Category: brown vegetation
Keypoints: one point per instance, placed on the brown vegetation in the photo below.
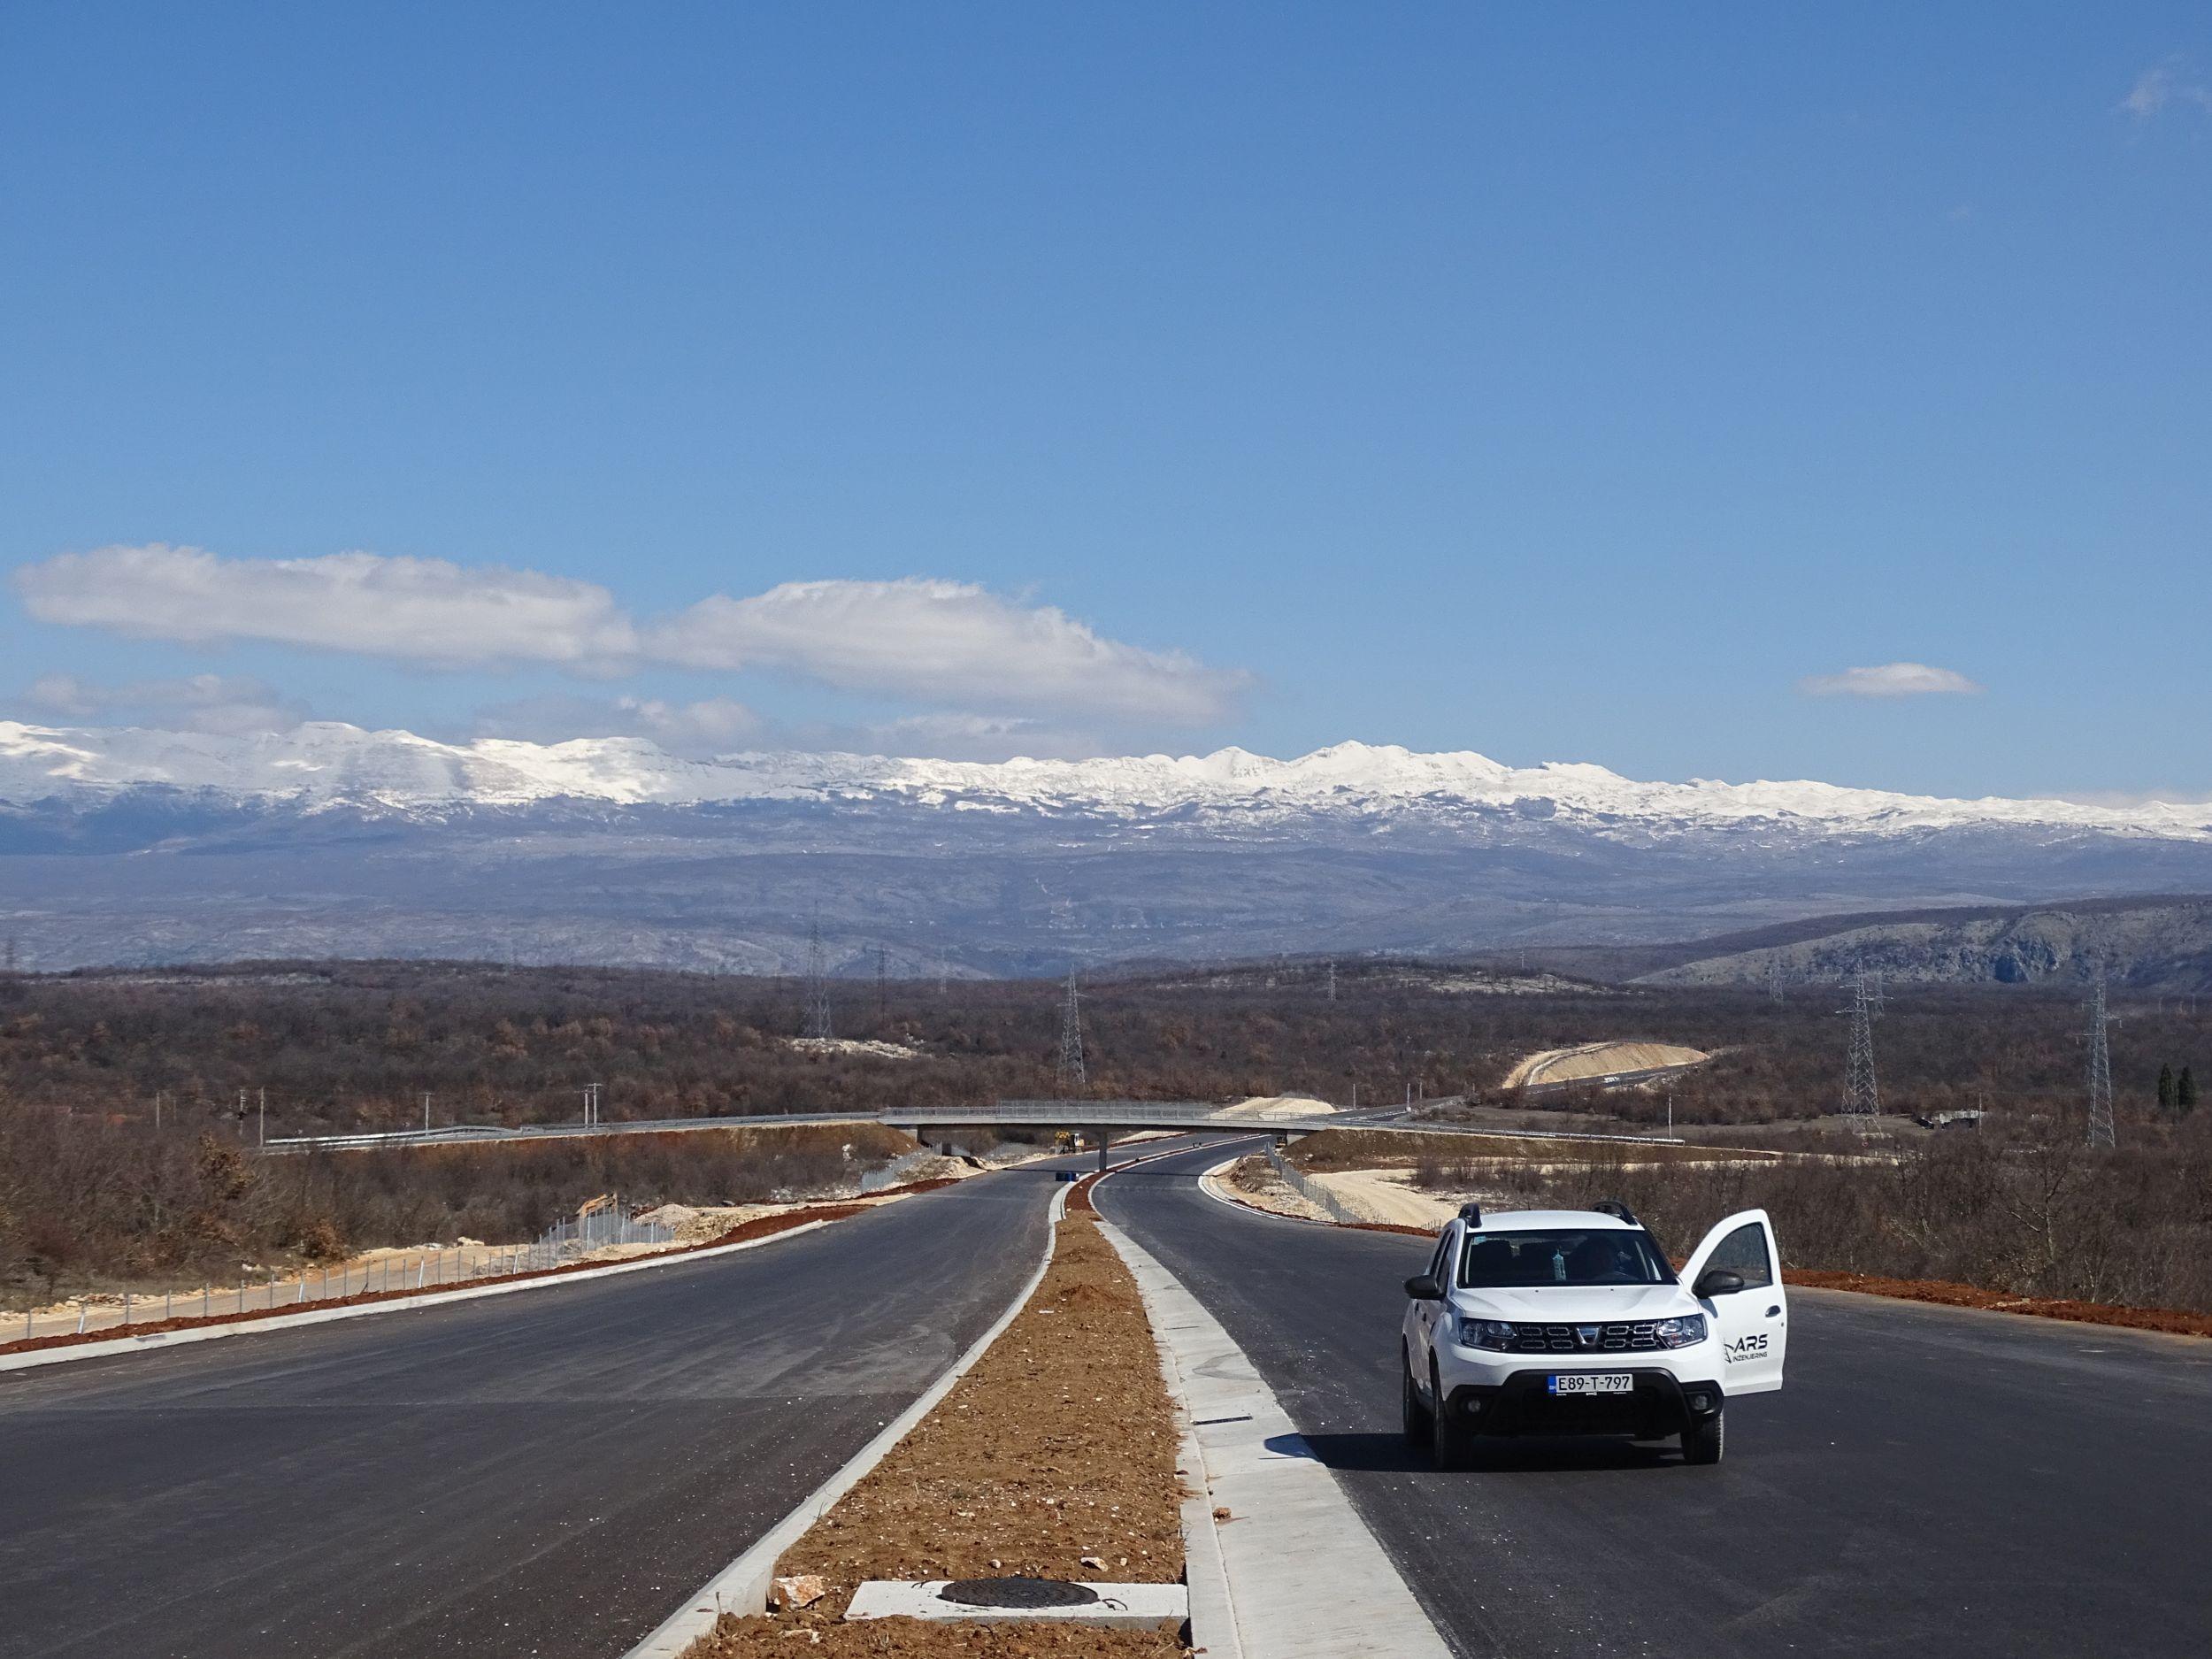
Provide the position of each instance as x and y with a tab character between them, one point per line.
86	1190
2024	1214
86	1202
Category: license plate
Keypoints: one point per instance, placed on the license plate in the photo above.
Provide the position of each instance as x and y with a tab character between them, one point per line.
1593	1382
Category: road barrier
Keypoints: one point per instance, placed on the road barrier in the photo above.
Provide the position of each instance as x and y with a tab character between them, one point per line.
396	1271
1312	1191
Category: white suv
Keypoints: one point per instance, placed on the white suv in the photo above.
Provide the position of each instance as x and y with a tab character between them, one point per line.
1571	1321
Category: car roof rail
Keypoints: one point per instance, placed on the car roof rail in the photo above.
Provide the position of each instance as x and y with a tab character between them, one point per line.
1614	1208
1471	1214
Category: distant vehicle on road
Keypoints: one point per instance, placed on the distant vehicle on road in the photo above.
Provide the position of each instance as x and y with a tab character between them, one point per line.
1572	1322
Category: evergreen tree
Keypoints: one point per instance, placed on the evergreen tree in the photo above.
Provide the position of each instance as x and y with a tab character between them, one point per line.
2165	1088
2185	1091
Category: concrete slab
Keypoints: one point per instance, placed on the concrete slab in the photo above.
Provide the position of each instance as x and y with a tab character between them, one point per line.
1119	1606
1290	1571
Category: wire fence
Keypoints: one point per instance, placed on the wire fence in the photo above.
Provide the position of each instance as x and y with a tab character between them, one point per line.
406	1271
1312	1191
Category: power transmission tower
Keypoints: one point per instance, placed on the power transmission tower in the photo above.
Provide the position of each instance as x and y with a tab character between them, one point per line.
12	953
883	991
1073	1075
2100	1070
1774	978
1333	982
1861	1097
818	1006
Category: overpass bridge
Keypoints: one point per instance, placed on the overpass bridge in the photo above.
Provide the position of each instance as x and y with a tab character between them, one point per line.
1107	1116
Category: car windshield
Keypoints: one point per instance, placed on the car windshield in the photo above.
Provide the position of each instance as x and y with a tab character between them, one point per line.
1599	1255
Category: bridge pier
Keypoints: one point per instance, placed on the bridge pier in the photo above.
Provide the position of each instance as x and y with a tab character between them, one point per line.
1105	1140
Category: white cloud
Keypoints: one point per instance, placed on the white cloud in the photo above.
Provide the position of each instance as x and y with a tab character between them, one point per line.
943	641
711	726
222	704
421	611
1890	680
2169	83
975	737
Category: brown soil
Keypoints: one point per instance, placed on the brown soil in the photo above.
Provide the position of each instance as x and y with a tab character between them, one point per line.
1059	1446
1952	1295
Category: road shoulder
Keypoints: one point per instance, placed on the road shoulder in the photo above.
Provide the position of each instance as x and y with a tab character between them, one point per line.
1266	1508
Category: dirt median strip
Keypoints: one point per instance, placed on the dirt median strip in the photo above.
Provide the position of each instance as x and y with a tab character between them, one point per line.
1054	1457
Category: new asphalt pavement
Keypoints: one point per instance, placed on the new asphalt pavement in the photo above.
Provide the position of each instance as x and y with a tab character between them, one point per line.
1928	1482
549	1472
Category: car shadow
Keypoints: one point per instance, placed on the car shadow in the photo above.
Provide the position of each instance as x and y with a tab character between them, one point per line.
1388	1454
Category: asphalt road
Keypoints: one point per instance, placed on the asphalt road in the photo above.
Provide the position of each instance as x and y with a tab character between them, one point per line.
545	1474
1929	1481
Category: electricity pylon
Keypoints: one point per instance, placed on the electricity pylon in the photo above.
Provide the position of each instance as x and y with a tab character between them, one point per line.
1333	982
818	1006
1861	1095
2100	1070
1774	978
1073	1075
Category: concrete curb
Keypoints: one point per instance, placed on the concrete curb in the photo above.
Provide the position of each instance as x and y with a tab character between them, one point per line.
155	1340
742	1586
1251	1587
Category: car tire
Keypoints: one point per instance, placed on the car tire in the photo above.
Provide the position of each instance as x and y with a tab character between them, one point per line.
1450	1444
1417	1414
1702	1442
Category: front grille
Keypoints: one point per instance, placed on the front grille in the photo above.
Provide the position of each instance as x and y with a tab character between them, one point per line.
1641	1337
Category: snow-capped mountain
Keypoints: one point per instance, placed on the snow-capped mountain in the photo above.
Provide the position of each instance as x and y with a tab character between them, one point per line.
145	846
327	763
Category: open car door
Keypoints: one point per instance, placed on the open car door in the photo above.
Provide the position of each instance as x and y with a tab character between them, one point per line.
1752	1324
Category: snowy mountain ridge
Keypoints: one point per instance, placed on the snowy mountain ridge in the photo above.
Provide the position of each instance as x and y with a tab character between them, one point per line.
324	764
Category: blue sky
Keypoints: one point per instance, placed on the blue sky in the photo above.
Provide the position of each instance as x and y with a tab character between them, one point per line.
1598	383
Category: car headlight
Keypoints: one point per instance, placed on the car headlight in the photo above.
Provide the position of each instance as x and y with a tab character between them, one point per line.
1681	1333
1491	1333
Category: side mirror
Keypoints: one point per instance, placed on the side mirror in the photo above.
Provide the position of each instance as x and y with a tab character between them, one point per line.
1719	1282
1421	1287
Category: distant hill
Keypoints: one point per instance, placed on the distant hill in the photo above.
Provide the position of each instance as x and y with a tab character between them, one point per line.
2145	944
141	847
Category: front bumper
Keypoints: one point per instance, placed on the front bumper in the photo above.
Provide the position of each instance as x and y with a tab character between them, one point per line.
1662	1404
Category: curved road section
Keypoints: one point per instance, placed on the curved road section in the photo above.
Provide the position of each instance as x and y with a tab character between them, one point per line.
1930	1480
545	1474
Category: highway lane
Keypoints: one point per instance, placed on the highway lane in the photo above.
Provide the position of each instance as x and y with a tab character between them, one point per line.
544	1473
1929	1481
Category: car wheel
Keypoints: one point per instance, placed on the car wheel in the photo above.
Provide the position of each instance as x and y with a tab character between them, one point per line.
1417	1414
1450	1443
1702	1442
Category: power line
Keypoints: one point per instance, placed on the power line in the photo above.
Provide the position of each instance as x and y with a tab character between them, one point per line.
1073	1074
817	1005
2101	1133
1861	1095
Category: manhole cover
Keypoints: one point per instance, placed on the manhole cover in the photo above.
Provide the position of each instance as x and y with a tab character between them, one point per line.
1017	1593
